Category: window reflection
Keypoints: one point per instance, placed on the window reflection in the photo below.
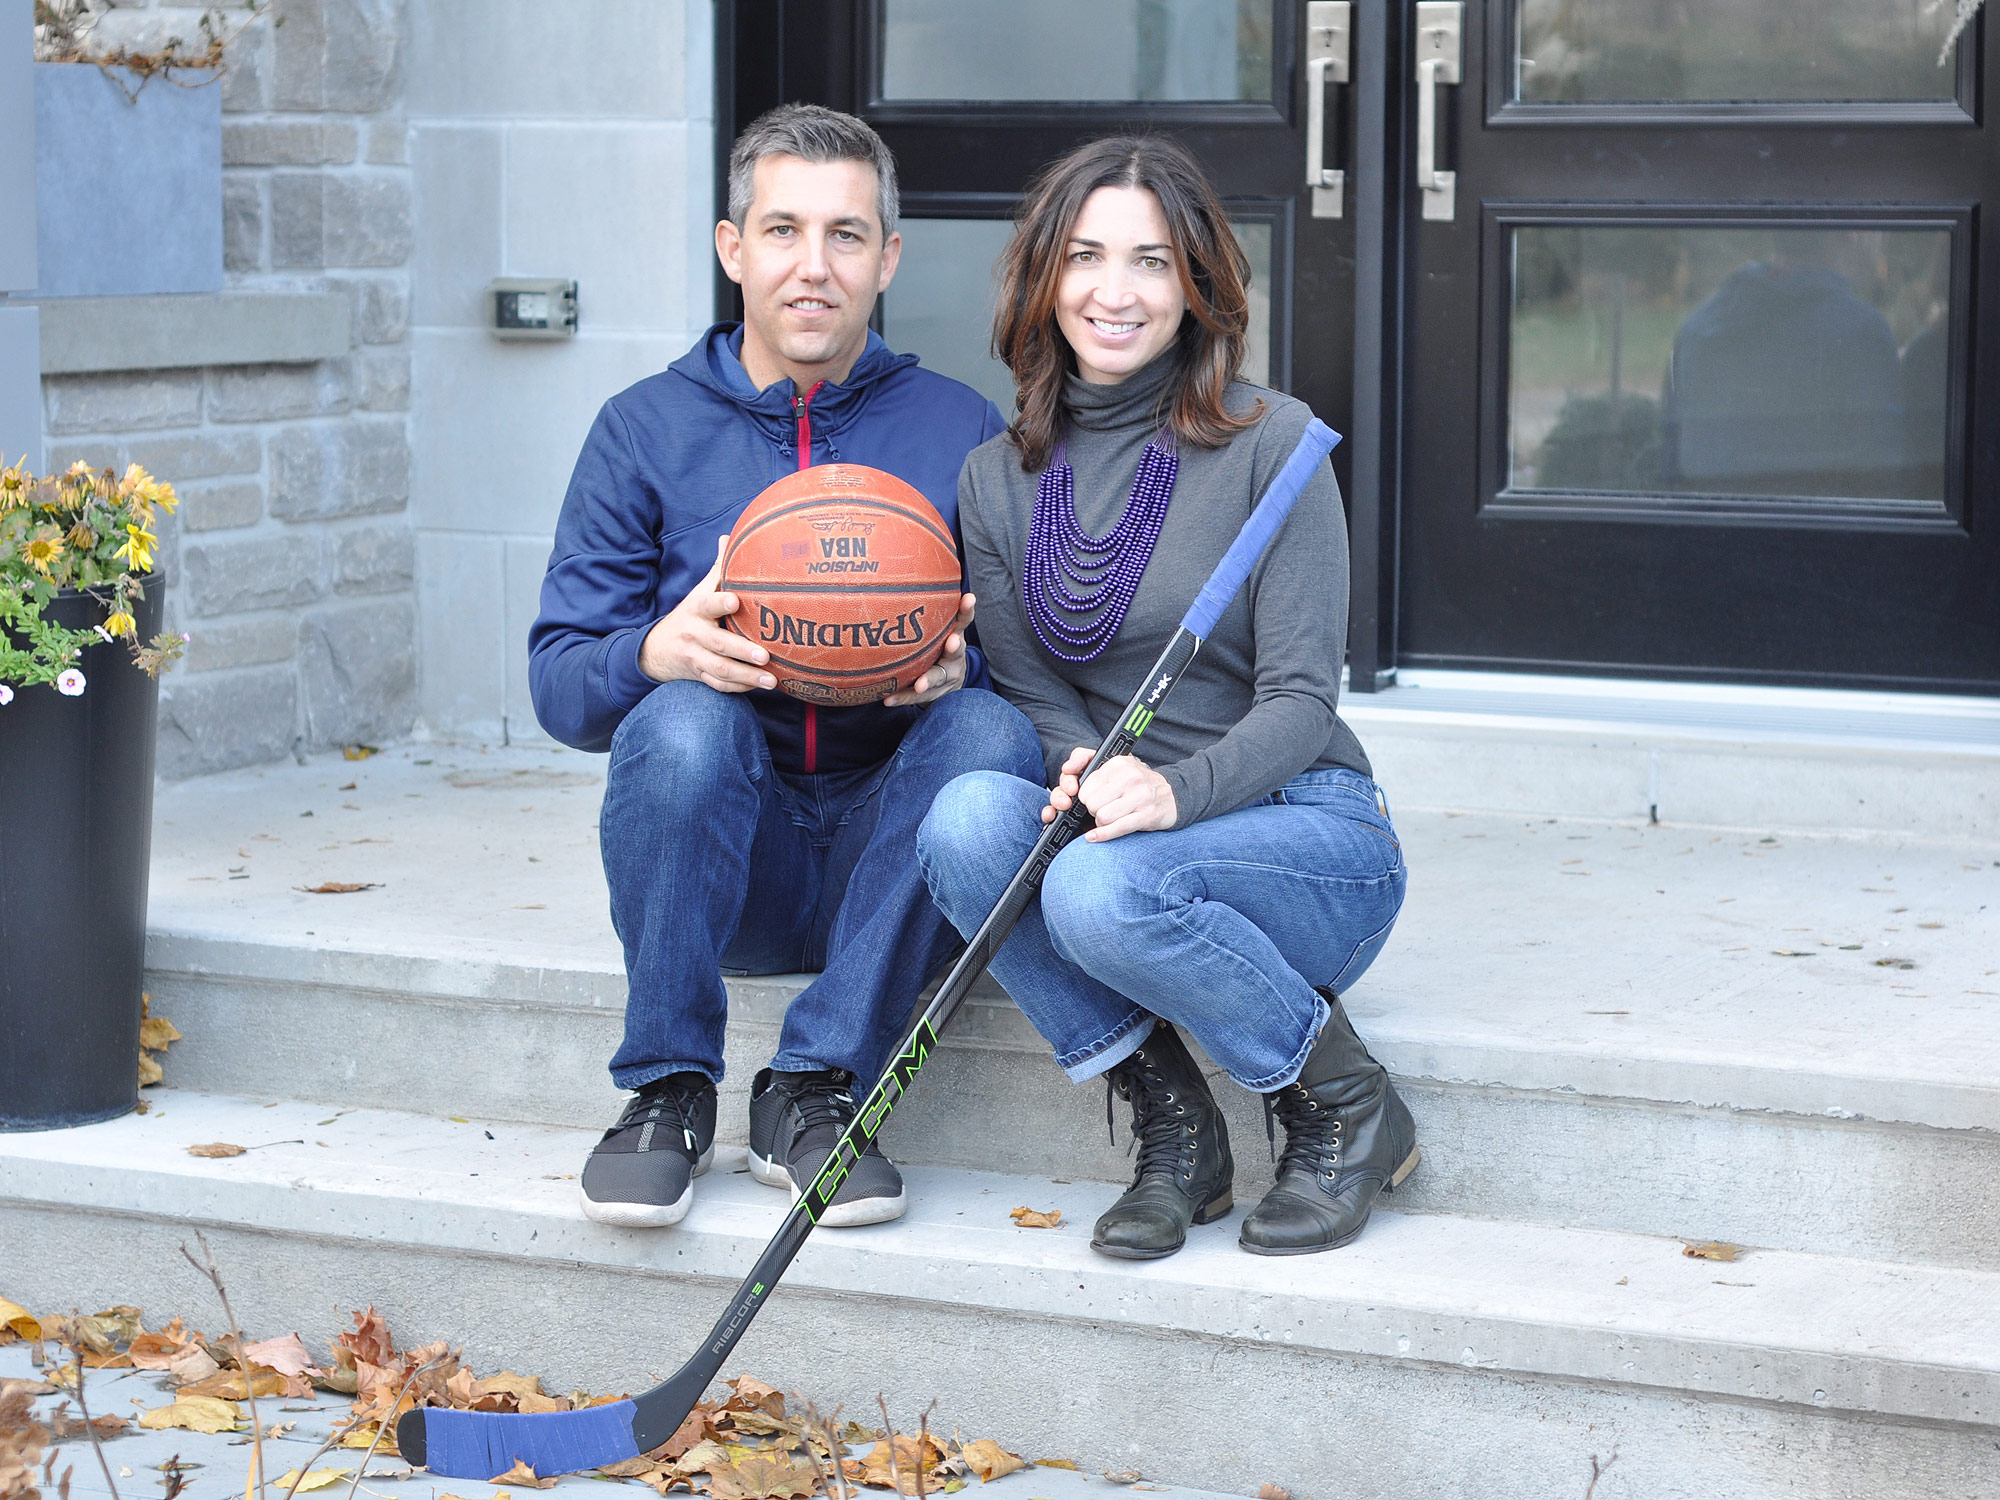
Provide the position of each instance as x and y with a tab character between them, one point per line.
1716	51
1716	361
1113	50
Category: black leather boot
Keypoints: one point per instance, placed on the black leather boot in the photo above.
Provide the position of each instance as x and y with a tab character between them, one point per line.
1185	1170
1348	1136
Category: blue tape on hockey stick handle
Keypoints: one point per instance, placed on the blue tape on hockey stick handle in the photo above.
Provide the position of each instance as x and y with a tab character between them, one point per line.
1283	494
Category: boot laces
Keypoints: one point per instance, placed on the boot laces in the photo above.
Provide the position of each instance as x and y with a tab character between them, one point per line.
670	1101
1163	1130
1312	1131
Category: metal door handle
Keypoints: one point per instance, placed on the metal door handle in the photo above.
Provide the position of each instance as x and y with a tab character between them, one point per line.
1439	23
1326	63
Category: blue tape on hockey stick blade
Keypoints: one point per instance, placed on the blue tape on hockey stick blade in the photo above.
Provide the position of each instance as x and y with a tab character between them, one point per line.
1283	494
482	1444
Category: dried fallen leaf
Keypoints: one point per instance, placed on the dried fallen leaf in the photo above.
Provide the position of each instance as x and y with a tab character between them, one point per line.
989	1460
513	1385
750	1392
339	887
1792	952
1711	1250
523	1473
191	1365
22	1439
195	1414
358	752
1274	1492
230	1385
763	1477
534	1405
287	1355
156	1032
217	1148
314	1479
16	1322
1125	1476
1034	1218
1057	1463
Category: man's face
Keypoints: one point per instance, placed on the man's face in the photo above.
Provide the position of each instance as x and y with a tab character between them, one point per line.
811	259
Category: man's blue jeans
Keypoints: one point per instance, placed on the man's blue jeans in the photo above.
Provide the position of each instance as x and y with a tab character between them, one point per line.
1224	927
717	861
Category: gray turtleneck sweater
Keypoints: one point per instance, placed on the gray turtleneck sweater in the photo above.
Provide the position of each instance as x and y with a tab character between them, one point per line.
1258	705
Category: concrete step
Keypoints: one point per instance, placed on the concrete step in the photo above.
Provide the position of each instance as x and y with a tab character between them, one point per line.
1593	1021
1438	1355
1692	753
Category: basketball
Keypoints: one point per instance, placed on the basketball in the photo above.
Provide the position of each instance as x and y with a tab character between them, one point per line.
848	577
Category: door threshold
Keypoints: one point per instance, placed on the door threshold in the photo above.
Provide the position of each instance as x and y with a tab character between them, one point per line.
1684	710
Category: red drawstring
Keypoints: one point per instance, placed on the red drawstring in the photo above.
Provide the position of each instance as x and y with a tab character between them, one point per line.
802	405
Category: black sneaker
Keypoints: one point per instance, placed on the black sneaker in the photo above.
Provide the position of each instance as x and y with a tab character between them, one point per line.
795	1118
641	1175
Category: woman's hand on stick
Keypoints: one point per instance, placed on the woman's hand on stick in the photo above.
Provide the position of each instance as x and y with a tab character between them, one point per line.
1124	795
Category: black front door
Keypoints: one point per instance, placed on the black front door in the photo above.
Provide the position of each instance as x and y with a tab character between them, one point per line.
973	99
1653	325
1694	382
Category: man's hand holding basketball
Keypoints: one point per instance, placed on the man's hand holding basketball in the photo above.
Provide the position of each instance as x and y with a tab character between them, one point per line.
948	672
687	642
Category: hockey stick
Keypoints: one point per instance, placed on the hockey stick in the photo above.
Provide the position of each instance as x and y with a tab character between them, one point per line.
479	1445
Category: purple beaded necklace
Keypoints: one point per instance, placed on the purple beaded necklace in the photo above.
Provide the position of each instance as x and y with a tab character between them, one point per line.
1070	573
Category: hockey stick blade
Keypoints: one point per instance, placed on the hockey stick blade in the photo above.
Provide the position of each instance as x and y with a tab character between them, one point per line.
480	1445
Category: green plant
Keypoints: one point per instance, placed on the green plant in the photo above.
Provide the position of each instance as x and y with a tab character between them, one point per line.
87	530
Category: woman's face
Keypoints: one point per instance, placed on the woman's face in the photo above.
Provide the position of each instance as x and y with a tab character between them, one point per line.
1119	302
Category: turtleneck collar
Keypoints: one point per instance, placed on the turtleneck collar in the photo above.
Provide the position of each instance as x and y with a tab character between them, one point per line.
1138	400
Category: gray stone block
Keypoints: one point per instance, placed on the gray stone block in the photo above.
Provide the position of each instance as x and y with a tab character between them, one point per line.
388	143
379	307
99	453
216	721
346	220
254	642
337	55
220	504
180	456
288	143
297	215
367	220
348	469
242	222
382	380
358	673
122	402
262	572
377	560
272	393
244	72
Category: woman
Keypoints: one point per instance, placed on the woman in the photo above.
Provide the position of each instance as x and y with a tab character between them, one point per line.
1243	868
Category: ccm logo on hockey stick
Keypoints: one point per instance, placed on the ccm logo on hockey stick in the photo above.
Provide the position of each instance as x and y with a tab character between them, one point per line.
888	1094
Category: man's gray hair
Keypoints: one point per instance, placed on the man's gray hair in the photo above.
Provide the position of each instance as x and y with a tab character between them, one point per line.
812	133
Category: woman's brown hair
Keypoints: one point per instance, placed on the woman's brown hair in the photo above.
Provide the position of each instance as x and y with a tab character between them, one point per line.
1214	277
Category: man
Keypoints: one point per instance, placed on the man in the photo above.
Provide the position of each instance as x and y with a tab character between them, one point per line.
741	828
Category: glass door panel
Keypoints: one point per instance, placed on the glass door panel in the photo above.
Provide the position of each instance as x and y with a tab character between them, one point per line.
1101	51
1719	51
1718	360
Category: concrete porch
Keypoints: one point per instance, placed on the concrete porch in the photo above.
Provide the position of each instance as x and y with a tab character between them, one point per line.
1616	1034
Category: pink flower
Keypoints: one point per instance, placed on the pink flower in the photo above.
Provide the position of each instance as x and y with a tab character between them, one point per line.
70	683
6	695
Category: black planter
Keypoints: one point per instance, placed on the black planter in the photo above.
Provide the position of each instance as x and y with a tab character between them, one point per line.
76	836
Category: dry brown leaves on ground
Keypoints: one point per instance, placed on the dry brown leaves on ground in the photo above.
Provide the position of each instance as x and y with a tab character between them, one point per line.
156	1034
339	887
748	1445
1035	1218
1711	1250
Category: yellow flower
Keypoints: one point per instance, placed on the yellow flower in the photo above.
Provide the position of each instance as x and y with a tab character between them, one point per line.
79	470
138	549
120	623
42	549
162	495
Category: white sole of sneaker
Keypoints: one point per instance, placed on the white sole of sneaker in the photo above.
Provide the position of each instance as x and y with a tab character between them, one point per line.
645	1215
841	1215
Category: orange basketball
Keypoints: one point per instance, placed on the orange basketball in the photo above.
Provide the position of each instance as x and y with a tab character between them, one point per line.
848	577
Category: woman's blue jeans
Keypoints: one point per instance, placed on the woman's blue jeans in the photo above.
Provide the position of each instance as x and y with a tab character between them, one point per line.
1224	927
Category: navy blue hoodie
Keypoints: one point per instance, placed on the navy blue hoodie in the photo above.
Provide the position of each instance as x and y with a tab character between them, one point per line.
669	465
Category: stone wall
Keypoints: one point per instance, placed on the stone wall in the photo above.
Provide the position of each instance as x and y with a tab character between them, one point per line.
292	563
361	550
